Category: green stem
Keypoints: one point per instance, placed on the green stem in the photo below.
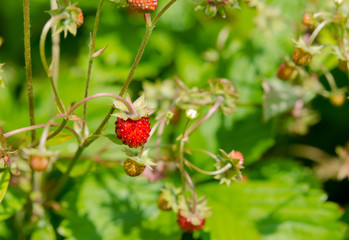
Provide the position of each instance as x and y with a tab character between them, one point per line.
88	141
156	18
43	36
28	64
90	62
318	30
222	170
63	179
181	157
138	58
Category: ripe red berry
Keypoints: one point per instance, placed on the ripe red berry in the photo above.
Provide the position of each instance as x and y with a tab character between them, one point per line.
301	57
38	163
133	168
145	6
188	226
133	133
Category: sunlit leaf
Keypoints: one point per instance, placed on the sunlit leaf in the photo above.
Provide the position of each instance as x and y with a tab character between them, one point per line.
4	181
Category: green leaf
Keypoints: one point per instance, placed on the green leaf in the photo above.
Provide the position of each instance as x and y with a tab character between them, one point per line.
59	139
13	202
272	209
82	167
280	97
46	232
110	205
249	135
4	181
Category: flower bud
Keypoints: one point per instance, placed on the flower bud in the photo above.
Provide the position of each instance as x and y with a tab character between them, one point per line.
338	2
192	114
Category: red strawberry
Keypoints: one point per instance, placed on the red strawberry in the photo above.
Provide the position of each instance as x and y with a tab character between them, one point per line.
188	226
133	133
133	168
145	6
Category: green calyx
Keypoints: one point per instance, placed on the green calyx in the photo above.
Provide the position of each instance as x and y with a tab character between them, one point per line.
129	110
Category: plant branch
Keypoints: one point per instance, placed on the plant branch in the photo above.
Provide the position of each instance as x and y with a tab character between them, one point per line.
90	62
156	18
28	64
220	171
213	109
43	36
317	31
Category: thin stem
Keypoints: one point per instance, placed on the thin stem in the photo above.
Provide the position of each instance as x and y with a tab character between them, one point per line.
318	30
148	31
181	157
330	79
156	18
43	36
213	109
25	129
129	106
192	188
28	65
90	62
222	170
138	58
55	54
63	179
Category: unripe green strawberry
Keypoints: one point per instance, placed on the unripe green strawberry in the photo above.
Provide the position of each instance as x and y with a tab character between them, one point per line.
343	65
163	203
301	57
133	168
144	6
337	99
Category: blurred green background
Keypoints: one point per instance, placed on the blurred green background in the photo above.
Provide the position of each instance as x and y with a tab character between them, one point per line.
283	197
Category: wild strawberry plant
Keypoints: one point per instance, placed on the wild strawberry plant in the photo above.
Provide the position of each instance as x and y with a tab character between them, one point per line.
161	158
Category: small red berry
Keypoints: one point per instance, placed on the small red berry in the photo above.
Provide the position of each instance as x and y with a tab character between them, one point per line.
307	20
188	226
133	133
237	155
38	163
133	168
301	57
286	72
144	6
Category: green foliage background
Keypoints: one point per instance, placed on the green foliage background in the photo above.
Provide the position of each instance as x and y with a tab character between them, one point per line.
282	199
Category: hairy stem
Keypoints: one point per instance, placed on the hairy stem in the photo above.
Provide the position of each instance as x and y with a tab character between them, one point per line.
55	54
90	62
28	65
318	30
222	170
43	36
